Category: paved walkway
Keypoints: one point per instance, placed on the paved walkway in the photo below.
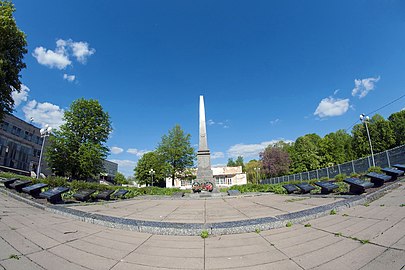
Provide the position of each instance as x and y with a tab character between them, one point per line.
211	210
362	237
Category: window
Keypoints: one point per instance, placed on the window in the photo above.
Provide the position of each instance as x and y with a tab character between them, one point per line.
184	183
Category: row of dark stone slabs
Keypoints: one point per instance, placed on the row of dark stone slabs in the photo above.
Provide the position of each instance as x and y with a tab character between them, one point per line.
54	195
356	185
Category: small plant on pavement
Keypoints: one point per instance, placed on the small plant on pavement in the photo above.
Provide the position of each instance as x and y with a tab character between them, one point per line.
289	224
204	234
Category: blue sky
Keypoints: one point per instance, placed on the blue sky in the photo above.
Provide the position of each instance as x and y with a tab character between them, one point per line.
268	70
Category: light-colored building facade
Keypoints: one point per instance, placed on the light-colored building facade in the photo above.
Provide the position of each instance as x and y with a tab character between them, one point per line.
20	146
223	177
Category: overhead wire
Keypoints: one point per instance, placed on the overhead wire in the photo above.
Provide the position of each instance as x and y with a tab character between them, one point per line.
382	107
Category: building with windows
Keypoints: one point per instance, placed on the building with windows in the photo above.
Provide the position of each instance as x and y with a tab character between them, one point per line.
20	146
223	177
110	170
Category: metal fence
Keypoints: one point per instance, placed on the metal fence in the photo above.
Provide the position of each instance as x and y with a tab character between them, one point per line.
384	159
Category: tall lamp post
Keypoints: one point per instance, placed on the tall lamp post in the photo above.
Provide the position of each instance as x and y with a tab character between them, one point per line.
365	119
152	172
257	170
45	132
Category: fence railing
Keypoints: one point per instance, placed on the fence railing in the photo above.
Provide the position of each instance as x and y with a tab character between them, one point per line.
383	159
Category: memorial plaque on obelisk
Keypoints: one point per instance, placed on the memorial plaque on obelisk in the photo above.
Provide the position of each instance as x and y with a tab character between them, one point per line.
204	171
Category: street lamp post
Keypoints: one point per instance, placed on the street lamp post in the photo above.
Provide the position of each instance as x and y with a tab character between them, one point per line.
152	172
45	132
257	170
365	119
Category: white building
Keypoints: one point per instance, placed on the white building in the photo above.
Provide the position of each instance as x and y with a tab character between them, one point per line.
224	177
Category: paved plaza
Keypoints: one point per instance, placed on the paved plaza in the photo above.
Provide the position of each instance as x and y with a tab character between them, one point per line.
370	236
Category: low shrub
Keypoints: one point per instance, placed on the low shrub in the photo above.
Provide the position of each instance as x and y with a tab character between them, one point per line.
375	169
340	177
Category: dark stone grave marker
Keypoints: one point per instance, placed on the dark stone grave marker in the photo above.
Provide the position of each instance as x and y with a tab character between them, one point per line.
305	187
399	167
35	189
326	187
8	181
105	195
394	173
290	188
54	195
83	195
378	179
358	186
178	194
19	184
233	192
120	193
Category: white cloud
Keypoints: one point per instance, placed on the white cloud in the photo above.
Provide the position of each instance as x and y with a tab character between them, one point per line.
69	78
21	96
336	91
363	86
275	121
125	166
81	50
250	150
59	58
332	107
116	150
137	152
219	165
43	113
216	155
224	124
51	59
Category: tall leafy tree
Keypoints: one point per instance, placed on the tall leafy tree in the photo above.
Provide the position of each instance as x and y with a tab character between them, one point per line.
381	135
304	153
236	163
155	161
397	121
177	151
276	161
231	163
336	148
254	169
12	49
78	148
120	179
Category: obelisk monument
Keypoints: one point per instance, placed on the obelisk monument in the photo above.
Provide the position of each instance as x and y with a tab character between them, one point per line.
204	171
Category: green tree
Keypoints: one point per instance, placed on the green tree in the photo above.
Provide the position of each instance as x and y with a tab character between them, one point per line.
120	179
304	153
336	148
12	49
254	171
231	163
155	161
176	150
381	134
397	121
77	150
236	163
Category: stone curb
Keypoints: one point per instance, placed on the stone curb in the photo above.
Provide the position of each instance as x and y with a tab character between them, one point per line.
219	228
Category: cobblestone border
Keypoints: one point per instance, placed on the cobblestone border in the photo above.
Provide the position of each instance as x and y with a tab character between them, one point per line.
219	228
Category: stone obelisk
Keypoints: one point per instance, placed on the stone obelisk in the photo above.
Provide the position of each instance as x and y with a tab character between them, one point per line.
204	171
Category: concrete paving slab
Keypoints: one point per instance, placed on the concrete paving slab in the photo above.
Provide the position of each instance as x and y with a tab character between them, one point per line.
19	242
6	250
83	258
48	260
390	259
355	259
22	263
